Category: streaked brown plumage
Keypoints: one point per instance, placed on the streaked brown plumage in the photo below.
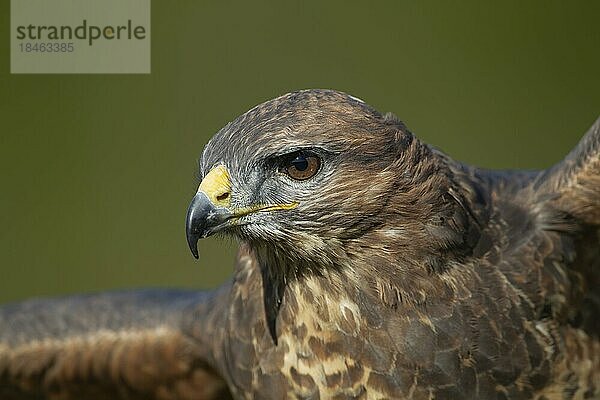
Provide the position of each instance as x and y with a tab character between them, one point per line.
393	272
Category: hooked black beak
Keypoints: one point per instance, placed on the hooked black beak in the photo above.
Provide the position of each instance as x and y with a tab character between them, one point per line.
203	219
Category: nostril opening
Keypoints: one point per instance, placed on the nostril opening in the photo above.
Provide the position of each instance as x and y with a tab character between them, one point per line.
223	196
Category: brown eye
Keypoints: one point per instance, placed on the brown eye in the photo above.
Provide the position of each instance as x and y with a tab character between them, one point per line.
302	166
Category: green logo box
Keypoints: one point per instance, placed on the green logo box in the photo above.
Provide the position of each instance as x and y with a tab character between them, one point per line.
80	36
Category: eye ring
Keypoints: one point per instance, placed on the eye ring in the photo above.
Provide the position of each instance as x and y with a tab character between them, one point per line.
301	165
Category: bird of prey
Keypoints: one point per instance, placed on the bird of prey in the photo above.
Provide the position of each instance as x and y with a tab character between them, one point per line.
371	266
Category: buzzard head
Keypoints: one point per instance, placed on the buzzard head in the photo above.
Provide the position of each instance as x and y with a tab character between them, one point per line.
316	180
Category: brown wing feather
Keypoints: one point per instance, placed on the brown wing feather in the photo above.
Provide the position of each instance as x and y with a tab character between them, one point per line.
574	183
569	194
149	344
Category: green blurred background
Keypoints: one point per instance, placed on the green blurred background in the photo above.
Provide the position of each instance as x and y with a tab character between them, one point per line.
97	170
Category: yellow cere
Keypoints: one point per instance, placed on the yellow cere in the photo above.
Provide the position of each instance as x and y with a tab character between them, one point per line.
217	186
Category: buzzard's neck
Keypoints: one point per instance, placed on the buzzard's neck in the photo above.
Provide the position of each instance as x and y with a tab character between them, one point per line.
330	297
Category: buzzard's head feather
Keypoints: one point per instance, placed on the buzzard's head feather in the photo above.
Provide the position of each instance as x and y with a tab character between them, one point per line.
369	170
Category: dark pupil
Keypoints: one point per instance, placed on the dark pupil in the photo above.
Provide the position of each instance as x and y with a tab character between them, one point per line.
300	163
